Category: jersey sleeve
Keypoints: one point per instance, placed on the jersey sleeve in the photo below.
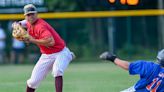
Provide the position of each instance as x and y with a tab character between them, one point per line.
140	67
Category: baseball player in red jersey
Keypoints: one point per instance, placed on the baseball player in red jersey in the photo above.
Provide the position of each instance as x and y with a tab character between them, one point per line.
55	55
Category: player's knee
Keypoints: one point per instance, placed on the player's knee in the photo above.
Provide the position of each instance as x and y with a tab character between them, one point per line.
32	83
57	72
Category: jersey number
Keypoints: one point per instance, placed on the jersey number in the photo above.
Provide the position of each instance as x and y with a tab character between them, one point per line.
154	85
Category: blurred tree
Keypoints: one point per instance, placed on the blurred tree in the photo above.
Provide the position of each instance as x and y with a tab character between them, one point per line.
60	5
96	28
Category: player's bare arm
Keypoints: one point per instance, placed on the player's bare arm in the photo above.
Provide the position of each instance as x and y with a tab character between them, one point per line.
45	41
113	58
122	63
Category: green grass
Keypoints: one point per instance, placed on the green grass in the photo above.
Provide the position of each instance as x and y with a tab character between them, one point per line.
79	77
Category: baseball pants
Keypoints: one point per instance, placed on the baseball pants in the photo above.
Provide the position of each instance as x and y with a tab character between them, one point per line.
57	62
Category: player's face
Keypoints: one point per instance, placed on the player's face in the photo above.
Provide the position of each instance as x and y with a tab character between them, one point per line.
31	17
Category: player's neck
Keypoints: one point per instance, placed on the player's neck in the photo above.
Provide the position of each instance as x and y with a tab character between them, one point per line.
34	22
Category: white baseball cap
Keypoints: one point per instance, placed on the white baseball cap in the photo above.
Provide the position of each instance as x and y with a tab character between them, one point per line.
29	8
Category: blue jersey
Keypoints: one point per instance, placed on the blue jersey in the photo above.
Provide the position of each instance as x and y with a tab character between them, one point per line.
151	76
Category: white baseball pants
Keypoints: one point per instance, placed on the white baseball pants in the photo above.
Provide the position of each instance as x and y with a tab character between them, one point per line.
57	62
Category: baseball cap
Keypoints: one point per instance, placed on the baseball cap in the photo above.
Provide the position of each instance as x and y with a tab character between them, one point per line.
29	8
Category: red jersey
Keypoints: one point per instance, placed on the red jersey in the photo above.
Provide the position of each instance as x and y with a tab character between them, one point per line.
41	29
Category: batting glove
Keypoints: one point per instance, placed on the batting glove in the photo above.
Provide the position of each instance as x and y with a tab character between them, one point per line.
108	56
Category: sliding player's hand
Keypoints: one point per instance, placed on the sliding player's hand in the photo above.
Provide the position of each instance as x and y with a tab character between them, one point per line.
108	56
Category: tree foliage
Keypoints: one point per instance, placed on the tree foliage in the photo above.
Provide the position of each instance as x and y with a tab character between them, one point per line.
61	5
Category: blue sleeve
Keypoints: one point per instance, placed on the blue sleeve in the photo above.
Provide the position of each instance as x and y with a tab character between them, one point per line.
140	67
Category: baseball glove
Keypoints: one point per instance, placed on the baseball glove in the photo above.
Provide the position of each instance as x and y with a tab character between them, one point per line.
108	56
19	32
